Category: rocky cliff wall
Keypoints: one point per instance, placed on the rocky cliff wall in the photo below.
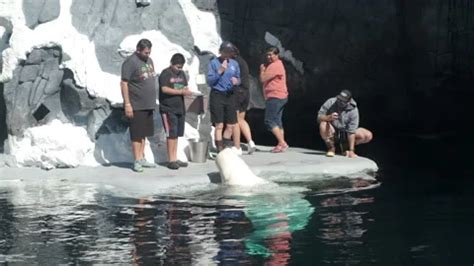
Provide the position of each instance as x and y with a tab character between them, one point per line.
408	63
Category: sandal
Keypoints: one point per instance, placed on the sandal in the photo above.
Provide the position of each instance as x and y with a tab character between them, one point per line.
277	149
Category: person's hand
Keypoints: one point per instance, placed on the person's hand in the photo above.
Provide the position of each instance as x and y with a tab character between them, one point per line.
128	110
333	116
234	80
262	68
223	66
187	92
351	154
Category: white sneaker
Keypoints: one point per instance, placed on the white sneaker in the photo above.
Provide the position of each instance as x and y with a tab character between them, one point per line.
236	151
251	147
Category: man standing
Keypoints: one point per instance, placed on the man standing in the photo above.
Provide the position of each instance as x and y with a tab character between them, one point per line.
173	86
338	120
139	99
222	76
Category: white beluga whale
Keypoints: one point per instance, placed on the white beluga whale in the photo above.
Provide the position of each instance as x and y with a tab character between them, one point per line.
235	172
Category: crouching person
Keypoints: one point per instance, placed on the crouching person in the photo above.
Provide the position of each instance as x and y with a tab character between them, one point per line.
338	121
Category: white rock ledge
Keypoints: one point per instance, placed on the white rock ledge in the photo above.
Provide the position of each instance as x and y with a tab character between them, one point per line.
295	165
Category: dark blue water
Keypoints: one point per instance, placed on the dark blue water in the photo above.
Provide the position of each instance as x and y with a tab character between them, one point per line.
422	214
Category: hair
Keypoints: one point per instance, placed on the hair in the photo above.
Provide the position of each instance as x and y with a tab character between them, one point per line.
143	43
236	50
273	50
178	59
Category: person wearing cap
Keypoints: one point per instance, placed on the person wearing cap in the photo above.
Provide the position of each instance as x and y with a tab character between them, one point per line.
338	119
223	74
275	91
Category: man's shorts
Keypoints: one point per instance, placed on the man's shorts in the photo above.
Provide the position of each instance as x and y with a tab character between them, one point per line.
222	106
242	98
173	124
141	125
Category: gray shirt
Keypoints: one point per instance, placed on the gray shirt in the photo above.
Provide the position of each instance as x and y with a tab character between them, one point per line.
140	76
348	118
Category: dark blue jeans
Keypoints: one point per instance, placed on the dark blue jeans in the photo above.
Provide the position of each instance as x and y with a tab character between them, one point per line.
274	112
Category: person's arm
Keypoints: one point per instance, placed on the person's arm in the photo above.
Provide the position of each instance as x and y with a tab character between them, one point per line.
351	140
167	87
236	80
171	91
322	113
214	73
268	73
126	99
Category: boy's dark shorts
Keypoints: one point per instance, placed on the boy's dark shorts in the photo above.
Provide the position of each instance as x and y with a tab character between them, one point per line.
173	124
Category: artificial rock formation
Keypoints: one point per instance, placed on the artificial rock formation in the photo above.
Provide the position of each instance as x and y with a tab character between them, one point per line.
61	72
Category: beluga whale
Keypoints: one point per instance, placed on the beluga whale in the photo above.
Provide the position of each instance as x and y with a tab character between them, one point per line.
235	172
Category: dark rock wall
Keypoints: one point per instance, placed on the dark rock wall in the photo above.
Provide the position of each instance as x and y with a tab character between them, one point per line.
408	63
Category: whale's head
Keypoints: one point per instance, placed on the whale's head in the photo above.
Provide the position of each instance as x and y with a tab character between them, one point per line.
234	171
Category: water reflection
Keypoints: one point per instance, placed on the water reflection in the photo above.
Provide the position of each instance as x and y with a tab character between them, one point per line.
274	218
65	223
344	225
258	225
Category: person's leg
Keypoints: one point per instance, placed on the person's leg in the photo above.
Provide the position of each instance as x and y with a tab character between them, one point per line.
139	129
228	131
326	130
278	133
218	128
236	136
244	126
245	129
363	136
148	131
180	132
281	106
230	119
273	122
136	149
217	108
142	148
172	143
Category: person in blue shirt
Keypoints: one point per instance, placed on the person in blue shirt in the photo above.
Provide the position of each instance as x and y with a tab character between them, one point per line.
223	74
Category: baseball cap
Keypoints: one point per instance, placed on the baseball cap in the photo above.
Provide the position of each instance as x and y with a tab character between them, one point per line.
227	46
345	95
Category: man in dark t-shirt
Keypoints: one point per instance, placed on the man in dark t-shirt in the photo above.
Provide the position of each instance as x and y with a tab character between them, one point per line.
139	99
173	86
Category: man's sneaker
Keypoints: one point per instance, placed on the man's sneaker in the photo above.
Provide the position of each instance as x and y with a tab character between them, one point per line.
137	167
182	164
330	153
173	165
251	147
236	151
146	164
